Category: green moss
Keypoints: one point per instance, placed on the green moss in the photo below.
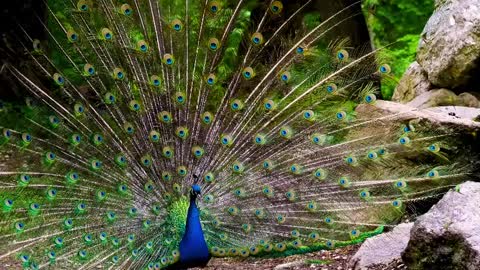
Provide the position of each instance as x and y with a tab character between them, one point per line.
321	262
397	24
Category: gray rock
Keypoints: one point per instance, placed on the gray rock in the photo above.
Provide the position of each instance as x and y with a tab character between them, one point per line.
457	111
289	265
437	117
447	237
375	252
444	97
413	83
469	100
450	43
434	98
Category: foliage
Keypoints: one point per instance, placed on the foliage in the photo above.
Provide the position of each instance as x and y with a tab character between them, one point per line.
397	24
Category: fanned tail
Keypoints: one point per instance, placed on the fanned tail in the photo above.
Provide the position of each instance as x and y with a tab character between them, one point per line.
131	99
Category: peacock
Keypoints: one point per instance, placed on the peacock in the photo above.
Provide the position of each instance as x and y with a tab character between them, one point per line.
158	134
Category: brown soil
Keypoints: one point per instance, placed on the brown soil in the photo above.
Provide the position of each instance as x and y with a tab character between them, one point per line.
337	259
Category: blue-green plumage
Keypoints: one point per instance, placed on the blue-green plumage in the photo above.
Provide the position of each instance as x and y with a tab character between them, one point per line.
129	98
193	248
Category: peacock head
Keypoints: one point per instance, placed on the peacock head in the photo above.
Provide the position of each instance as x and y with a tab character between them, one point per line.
196	190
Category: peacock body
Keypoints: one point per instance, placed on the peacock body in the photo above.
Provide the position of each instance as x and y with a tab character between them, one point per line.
134	105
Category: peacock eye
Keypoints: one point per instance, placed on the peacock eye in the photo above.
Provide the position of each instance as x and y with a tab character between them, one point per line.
404	140
248	73
168	59
214	7
106	34
257	38
8	203
213	44
37	46
142	46
7	133
342	55
26	137
276	7
58	79
341	115
370	99
211	79
285	76
384	69
236	105
125	9
176	25
88	69
72	36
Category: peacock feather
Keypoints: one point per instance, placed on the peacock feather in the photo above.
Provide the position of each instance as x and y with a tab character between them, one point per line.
160	132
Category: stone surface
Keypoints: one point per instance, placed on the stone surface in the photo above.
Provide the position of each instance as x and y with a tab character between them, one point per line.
449	49
458	112
469	100
447	237
433	98
444	97
374	252
289	265
414	82
435	116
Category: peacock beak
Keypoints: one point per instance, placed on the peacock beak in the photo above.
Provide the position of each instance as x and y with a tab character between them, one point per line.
196	190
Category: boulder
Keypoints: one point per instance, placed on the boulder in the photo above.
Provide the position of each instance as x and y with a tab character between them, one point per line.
458	112
469	100
449	48
374	252
444	97
447	237
439	117
434	98
413	83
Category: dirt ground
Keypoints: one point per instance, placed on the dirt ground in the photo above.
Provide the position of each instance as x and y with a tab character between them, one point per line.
337	259
323	260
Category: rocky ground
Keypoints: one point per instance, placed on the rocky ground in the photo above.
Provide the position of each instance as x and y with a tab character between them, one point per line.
323	260
337	259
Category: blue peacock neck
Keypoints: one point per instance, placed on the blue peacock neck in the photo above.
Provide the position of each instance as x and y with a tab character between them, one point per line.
193	248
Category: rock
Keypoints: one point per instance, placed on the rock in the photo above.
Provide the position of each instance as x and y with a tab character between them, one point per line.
457	111
374	251
444	97
434	98
435	116
289	265
469	100
413	83
447	237
450	43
